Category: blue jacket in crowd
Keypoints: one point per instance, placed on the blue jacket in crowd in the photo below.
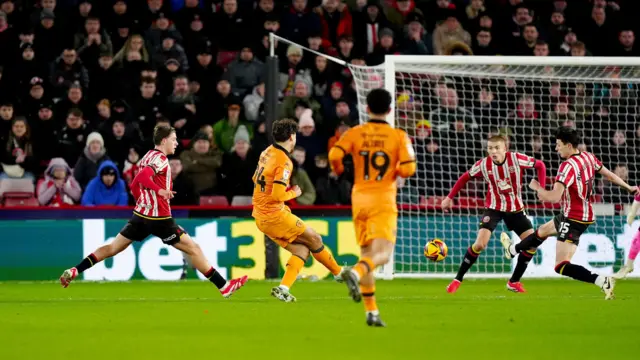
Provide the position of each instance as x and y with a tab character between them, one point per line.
97	193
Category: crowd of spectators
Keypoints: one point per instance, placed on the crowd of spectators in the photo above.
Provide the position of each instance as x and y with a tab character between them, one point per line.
84	82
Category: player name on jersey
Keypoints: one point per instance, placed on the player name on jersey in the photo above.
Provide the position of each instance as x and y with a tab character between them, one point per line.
504	180
148	203
577	173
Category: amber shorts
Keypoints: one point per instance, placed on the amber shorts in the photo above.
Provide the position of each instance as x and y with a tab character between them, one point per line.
375	223
283	228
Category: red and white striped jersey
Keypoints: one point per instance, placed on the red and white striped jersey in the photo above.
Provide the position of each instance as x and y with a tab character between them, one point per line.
577	174
504	180
150	204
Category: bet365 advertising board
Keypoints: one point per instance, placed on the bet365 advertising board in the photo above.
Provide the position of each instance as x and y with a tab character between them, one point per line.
42	249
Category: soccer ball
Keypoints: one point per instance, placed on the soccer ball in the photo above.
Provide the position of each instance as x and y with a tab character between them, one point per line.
435	250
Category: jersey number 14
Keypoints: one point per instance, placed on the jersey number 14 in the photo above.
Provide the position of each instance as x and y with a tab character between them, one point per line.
259	179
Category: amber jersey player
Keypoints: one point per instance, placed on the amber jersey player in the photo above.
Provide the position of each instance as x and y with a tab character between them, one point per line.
503	172
152	188
380	154
573	188
271	180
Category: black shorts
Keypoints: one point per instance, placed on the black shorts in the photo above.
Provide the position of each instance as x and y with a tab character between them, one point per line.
516	221
139	228
569	230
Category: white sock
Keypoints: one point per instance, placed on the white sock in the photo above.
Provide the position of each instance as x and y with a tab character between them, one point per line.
630	263
285	288
355	273
374	312
512	250
600	280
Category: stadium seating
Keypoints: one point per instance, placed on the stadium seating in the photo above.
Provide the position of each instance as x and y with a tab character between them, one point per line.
16	186
241	201
470	202
214	201
17	199
432	201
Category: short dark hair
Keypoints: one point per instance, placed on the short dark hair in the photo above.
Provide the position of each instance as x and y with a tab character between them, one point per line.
379	101
283	129
75	112
180	77
147	80
568	136
161	132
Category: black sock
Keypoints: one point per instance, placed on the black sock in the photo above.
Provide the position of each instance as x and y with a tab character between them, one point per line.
576	272
86	263
523	261
215	278
469	258
532	241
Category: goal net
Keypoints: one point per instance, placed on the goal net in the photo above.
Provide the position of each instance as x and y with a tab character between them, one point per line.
451	105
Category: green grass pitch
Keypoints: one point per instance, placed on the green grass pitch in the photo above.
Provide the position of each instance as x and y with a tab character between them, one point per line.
556	319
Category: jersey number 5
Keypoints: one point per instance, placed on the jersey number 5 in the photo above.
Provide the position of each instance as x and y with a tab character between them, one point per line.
378	160
259	179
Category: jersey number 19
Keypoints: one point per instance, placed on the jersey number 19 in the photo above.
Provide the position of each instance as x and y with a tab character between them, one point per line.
378	160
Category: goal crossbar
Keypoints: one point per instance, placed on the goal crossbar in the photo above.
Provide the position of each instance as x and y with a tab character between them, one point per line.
513	60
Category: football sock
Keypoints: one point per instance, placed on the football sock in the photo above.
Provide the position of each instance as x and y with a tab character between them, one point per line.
368	294
469	258
294	265
523	261
325	258
215	278
635	247
576	272
363	267
531	241
86	263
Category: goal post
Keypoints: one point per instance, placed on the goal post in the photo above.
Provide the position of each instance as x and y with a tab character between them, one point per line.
450	105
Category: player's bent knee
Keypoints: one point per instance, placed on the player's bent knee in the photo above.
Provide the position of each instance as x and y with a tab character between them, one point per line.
479	246
302	253
316	241
546	230
525	234
383	257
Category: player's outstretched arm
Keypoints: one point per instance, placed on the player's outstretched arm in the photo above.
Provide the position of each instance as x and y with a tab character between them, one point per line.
553	196
633	210
612	177
460	183
447	202
541	173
